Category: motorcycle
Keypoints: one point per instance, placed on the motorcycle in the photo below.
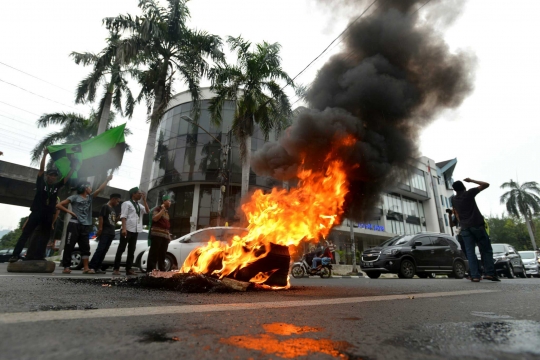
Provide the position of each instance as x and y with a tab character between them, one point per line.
302	268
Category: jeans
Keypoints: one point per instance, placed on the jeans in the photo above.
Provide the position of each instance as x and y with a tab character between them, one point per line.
477	236
76	234
34	220
315	261
131	242
157	253
104	244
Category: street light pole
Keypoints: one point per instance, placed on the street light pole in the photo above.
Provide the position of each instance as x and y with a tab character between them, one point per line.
224	152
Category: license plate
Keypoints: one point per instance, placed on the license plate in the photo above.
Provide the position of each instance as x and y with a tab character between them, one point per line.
367	264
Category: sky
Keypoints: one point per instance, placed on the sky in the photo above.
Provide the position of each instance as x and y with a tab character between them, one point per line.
493	134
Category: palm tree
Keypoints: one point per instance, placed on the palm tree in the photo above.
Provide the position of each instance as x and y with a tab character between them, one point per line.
253	84
164	48
522	200
106	70
75	129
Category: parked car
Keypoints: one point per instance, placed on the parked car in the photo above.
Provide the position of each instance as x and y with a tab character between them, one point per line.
142	245
420	254
507	261
531	260
6	254
179	249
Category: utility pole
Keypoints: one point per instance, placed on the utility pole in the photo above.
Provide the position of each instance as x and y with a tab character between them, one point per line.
353	248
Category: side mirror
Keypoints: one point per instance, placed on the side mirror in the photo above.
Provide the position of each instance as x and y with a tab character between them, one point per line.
507	253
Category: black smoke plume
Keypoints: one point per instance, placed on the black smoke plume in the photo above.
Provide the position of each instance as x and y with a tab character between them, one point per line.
393	77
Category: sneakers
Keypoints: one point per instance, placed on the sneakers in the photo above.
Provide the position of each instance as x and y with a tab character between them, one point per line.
492	278
116	272
475	280
13	259
130	272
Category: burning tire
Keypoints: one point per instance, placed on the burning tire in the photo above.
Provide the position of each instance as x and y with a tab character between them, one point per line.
277	261
297	271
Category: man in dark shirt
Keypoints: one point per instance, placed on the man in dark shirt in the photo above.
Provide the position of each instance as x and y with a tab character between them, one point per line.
42	210
473	229
106	231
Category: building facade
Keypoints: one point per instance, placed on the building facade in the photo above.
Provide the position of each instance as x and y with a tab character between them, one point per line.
188	161
418	203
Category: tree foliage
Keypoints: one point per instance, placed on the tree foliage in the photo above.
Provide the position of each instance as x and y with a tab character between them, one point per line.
510	230
162	48
254	84
9	240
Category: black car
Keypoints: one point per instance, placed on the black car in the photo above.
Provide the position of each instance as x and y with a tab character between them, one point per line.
6	254
420	254
507	261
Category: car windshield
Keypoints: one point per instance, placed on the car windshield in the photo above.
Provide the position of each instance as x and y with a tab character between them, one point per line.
398	240
498	248
527	254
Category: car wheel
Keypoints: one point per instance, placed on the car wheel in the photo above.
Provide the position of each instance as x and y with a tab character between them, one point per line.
169	262
373	274
76	261
325	273
459	270
523	274
407	269
297	271
510	272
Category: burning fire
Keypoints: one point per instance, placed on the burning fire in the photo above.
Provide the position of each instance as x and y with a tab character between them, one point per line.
281	217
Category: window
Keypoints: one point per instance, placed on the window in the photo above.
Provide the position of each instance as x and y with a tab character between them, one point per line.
229	234
205	235
442	201
446	219
425	240
439	241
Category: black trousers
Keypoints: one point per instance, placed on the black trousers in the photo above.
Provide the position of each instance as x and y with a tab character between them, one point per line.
131	242
157	253
105	241
42	220
76	234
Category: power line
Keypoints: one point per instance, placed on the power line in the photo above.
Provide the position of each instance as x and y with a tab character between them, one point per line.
43	97
22	122
333	41
13	106
35	77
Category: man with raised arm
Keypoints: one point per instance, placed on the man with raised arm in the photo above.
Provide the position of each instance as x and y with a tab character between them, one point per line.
79	226
473	229
131	215
42	210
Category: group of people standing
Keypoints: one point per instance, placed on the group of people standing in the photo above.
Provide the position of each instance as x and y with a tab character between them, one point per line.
46	206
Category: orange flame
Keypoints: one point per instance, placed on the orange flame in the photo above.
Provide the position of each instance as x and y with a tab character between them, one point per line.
282	217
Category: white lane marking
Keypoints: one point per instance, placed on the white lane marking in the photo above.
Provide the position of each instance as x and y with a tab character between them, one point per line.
14	318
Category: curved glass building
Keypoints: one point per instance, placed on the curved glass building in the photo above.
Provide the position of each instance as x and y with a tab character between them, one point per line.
188	164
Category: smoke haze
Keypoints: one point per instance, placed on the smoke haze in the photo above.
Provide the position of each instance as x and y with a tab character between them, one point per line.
394	76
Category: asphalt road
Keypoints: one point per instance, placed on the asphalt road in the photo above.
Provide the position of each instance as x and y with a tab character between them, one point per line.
63	317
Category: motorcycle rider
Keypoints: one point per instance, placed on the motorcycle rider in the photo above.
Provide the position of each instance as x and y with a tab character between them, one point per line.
322	257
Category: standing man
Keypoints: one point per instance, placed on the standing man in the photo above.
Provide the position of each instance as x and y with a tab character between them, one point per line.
106	232
132	216
473	229
159	235
42	210
79	226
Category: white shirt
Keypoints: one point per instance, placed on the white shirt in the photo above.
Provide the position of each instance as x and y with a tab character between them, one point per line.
133	221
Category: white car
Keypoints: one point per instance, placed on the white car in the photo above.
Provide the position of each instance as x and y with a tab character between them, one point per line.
142	245
180	248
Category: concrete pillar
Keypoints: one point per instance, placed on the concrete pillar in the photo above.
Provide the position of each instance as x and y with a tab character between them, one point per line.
195	208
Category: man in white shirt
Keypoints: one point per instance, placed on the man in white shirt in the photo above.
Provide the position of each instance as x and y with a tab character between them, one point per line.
131	215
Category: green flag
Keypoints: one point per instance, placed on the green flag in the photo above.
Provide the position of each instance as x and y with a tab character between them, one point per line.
95	156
